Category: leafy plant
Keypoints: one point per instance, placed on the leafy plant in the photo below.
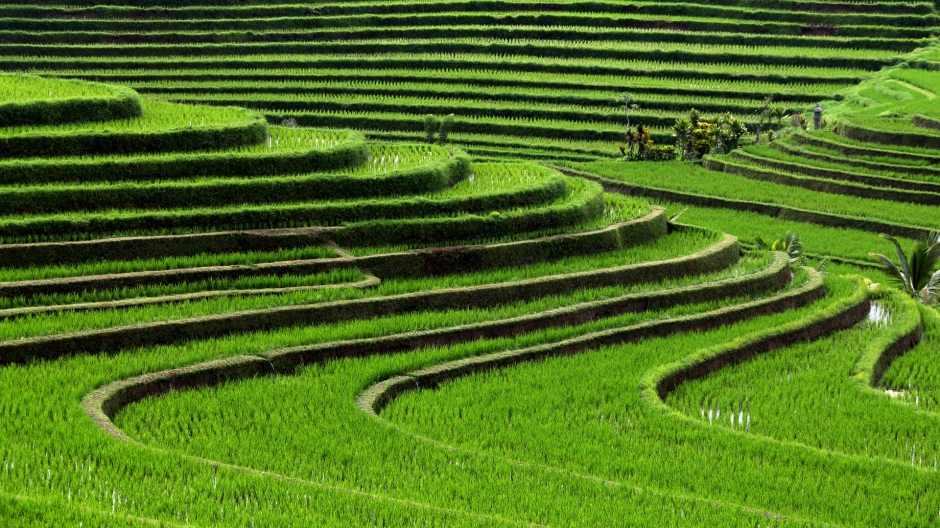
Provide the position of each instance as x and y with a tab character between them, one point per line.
789	243
917	275
626	100
431	126
683	132
764	115
799	121
697	136
703	138
730	130
646	150
659	153
443	132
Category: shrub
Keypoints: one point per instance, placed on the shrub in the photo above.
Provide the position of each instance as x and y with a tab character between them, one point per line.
431	126
447	125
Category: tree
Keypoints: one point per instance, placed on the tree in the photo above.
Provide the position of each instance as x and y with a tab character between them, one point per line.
430	127
729	130
447	125
642	141
626	100
683	132
799	122
764	116
917	275
703	138
778	114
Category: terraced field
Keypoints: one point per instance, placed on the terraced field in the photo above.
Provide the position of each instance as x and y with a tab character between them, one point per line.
213	317
527	80
874	171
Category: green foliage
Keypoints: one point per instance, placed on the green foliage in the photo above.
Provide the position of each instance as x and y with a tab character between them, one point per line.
839	210
770	393
917	274
643	148
792	245
799	122
729	131
289	151
696	136
163	127
915	375
66	212
672	246
789	244
431	126
682	129
31	101
660	153
703	138
447	126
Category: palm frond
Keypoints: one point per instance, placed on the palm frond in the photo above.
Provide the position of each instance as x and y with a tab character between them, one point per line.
905	267
933	289
916	274
893	271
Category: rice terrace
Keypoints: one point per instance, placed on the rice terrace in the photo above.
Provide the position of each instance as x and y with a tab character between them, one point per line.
469	263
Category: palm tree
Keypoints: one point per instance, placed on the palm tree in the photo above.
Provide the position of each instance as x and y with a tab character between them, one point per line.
626	100
918	274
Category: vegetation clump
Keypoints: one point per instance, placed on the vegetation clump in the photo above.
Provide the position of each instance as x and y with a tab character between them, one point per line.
917	273
439	128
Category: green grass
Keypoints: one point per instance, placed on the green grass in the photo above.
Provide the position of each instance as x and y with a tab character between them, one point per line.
803	394
394	60
120	198
886	159
916	374
243	286
372	89
584	415
696	180
223	21
157	116
435	320
285	212
900	125
27	88
831	136
832	241
105	267
283	139
566	406
774	154
147	419
617	208
213	491
672	246
183	81
875	58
